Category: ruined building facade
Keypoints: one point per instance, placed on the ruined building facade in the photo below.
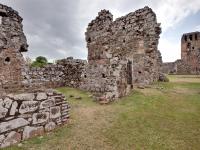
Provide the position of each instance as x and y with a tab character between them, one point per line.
12	44
122	54
23	113
190	51
190	56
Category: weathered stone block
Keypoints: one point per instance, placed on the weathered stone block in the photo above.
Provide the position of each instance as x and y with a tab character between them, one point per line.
50	126
12	124
2	137
30	132
40	118
12	138
7	102
28	106
47	103
55	112
24	97
3	112
41	96
13	109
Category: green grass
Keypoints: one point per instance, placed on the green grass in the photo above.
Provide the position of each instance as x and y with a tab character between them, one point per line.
163	117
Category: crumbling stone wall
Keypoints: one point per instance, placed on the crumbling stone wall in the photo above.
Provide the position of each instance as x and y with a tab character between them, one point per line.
169	68
66	72
190	56
12	43
72	71
26	115
49	76
190	51
121	53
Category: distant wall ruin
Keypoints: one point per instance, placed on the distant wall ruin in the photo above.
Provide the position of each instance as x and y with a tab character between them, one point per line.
190	56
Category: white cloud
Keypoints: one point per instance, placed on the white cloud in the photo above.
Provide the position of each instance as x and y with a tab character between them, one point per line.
171	12
197	28
171	51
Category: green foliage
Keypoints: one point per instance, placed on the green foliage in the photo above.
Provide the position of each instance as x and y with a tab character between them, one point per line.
40	62
163	117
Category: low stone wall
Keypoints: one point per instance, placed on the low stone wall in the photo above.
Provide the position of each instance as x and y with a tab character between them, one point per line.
49	76
179	67
169	68
23	116
66	72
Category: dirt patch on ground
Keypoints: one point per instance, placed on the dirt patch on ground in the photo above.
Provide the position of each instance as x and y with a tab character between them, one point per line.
89	125
150	91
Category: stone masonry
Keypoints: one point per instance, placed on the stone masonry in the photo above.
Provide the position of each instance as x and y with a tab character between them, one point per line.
190	56
25	110
122	54
73	70
12	43
190	51
66	72
26	115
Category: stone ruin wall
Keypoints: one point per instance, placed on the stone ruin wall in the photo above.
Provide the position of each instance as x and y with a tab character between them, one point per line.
190	56
122	53
190	51
23	116
169	68
12	43
73	70
66	72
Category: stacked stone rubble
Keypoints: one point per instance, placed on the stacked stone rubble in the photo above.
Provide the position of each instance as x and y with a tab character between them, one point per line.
26	115
72	71
49	76
121	53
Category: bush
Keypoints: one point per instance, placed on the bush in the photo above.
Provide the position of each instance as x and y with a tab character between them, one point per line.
40	62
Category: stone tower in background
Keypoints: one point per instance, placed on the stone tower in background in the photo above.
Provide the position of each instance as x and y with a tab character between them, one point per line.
190	51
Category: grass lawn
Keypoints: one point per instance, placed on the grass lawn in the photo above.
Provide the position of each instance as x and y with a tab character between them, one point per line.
165	116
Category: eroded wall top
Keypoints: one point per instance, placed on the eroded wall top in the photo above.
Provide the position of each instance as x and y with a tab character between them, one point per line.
138	32
12	43
11	30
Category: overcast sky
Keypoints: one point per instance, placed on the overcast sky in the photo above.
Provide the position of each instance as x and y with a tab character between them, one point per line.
55	28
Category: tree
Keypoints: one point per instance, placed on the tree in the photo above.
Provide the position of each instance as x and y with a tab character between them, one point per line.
40	61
